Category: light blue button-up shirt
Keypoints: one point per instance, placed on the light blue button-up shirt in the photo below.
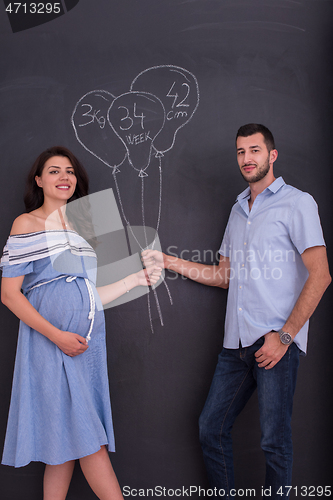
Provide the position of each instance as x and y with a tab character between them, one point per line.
267	273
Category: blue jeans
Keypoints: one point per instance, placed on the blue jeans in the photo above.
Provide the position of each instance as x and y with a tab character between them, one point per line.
236	377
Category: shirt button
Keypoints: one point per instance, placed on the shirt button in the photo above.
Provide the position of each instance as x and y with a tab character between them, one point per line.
244	242
240	286
239	308
249	222
243	265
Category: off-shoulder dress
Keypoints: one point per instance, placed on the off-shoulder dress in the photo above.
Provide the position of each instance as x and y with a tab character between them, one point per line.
60	405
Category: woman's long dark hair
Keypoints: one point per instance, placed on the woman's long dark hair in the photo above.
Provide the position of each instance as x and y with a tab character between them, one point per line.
78	215
34	197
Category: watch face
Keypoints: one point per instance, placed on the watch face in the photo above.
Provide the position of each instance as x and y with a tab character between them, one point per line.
285	338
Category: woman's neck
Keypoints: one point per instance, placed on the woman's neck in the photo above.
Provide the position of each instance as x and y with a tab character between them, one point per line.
50	207
52	216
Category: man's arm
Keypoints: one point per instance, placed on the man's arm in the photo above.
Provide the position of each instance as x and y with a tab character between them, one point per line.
315	260
212	275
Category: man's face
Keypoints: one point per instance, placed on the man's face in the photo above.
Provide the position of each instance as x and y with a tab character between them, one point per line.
253	157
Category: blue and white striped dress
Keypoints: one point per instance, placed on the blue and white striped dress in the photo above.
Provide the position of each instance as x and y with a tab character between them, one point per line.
60	406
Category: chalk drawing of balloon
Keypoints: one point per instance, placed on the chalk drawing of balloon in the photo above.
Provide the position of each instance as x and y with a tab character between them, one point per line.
178	90
92	130
137	118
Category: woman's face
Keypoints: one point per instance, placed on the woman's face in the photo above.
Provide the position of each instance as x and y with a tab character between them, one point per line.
58	179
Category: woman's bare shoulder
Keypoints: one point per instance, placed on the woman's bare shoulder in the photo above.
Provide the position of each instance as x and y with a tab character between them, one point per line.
27	223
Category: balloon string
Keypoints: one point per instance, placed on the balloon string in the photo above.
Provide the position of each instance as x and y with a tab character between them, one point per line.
149	313
159	219
143	210
146	241
160	201
114	172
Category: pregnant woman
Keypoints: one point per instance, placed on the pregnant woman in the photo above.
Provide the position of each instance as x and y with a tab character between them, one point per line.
60	406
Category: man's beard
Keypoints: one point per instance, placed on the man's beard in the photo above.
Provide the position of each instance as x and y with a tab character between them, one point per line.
261	173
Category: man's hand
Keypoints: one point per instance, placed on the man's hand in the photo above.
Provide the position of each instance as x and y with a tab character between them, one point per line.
153	258
271	352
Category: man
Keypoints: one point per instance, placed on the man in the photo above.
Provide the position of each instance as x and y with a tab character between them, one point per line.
273	259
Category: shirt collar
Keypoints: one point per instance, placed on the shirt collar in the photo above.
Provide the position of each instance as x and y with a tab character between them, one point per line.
274	187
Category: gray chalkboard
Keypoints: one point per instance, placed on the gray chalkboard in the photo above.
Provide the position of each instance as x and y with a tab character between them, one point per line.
151	94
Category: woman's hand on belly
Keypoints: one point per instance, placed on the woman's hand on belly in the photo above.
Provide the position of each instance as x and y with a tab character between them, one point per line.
70	343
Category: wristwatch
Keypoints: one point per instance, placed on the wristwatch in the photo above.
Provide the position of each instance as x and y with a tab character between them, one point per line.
285	337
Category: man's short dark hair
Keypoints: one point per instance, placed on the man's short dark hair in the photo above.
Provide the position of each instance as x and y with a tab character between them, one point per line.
255	128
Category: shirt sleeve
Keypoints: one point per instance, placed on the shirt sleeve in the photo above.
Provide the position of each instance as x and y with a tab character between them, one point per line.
10	270
225	245
305	228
